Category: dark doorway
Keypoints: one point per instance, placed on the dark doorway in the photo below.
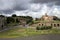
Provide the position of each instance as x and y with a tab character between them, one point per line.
39	24
42	24
54	25
2	26
58	25
51	24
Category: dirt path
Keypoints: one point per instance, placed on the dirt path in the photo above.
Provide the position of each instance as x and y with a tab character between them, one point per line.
39	37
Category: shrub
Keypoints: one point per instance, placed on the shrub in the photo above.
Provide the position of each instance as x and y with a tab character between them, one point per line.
38	28
43	27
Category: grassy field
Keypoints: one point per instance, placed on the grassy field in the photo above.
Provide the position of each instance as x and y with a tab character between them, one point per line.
22	32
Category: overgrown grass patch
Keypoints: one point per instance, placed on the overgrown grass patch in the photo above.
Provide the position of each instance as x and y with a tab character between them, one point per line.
22	32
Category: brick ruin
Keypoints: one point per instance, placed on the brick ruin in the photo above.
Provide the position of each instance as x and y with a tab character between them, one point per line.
48	21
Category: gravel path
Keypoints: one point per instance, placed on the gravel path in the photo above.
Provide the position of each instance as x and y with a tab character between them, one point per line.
39	37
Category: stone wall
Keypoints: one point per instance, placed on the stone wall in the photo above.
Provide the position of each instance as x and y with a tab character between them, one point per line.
49	24
2	22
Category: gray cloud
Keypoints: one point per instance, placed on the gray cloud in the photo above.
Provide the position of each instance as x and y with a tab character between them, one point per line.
9	6
21	4
44	1
55	2
8	11
58	3
16	6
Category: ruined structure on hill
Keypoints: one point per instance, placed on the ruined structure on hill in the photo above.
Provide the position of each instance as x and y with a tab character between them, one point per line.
47	20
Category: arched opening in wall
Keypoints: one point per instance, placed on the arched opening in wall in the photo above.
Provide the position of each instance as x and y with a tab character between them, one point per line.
42	24
39	24
51	24
58	25
54	25
2	26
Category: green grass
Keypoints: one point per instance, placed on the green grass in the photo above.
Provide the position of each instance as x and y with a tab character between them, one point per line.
22	32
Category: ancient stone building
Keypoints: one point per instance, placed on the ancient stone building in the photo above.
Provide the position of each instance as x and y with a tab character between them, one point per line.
47	20
22	21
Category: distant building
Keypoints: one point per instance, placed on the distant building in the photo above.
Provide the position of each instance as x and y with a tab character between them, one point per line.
22	21
47	20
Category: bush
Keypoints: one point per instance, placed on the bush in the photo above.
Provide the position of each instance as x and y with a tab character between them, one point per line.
43	27
10	20
38	28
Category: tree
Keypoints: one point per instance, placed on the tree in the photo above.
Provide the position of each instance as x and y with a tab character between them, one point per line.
14	15
2	16
55	18
30	19
10	20
17	21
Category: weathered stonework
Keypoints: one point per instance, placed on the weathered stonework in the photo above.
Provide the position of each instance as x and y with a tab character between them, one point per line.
48	21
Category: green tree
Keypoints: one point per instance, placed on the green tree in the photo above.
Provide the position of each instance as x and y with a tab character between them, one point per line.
14	15
55	18
17	21
10	20
30	19
2	16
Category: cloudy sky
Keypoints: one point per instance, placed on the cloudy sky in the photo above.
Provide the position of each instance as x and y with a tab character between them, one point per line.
34	8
